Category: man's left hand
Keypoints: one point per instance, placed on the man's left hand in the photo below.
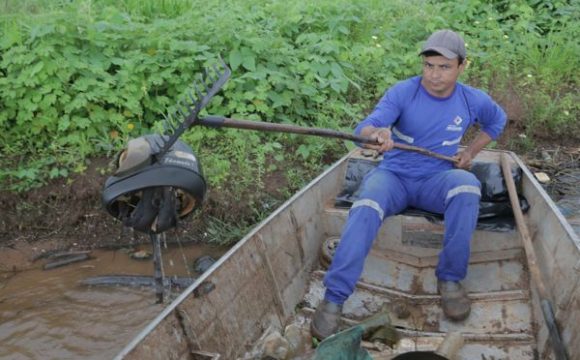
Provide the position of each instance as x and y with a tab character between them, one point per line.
463	160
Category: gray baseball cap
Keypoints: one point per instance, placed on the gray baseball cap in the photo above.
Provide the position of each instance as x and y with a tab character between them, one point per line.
447	43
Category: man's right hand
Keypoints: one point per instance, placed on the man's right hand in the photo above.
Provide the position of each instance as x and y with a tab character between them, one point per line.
383	138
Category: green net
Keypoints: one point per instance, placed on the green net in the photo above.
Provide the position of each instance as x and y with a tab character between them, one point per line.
346	345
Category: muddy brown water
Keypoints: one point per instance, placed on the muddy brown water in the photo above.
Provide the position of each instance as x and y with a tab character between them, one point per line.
47	314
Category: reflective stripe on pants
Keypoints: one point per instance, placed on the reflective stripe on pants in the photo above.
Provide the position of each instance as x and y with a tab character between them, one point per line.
454	193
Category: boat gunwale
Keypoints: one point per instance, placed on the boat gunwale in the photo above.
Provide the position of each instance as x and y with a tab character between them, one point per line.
548	200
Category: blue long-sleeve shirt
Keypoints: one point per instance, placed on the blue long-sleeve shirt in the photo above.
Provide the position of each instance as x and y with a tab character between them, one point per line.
438	124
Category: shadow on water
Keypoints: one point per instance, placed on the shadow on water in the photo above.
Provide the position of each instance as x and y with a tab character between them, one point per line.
48	314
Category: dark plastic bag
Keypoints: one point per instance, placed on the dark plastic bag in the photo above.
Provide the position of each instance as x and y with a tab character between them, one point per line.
495	211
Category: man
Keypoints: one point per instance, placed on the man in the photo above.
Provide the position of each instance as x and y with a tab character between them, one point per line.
431	111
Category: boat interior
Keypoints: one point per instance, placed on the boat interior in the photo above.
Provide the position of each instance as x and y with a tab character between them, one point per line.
273	278
399	275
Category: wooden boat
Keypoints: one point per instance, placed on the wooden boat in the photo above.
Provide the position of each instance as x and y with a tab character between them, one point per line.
273	276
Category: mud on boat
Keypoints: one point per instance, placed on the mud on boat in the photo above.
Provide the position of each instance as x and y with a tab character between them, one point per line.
273	277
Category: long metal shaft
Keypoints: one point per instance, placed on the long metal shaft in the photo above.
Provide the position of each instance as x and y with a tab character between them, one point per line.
158	267
547	308
218	121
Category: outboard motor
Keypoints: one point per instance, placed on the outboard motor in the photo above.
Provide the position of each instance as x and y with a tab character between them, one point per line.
159	180
150	194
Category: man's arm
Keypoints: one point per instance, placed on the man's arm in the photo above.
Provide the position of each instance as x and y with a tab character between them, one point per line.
387	111
465	157
492	120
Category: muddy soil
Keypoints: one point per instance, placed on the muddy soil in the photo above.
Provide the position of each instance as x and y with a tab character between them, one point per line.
67	214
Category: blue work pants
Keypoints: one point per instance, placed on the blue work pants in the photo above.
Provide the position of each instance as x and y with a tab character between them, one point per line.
453	193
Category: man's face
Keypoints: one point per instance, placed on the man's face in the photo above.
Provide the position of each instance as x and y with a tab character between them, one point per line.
440	75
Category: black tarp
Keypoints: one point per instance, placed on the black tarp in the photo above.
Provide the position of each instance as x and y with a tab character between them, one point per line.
495	211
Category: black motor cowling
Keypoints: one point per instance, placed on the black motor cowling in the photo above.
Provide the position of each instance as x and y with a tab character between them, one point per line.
150	194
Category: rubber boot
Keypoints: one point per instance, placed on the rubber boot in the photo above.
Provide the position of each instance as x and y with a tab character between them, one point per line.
454	301
326	320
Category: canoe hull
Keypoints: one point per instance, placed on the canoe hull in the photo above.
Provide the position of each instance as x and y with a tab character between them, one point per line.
273	276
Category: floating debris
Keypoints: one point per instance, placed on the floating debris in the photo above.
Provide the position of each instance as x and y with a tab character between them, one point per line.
141	255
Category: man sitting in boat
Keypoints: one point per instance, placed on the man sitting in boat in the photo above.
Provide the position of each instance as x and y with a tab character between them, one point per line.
432	111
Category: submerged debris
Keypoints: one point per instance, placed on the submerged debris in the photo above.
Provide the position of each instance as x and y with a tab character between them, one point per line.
137	281
66	259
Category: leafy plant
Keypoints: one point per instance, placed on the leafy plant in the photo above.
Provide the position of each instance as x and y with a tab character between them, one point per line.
79	78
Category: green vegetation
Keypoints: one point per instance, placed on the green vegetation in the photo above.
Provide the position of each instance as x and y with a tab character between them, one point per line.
78	78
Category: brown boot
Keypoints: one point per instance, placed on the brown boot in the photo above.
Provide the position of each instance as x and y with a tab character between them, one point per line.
325	320
454	301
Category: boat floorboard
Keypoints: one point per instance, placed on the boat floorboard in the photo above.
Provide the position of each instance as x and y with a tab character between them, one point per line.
489	272
500	325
